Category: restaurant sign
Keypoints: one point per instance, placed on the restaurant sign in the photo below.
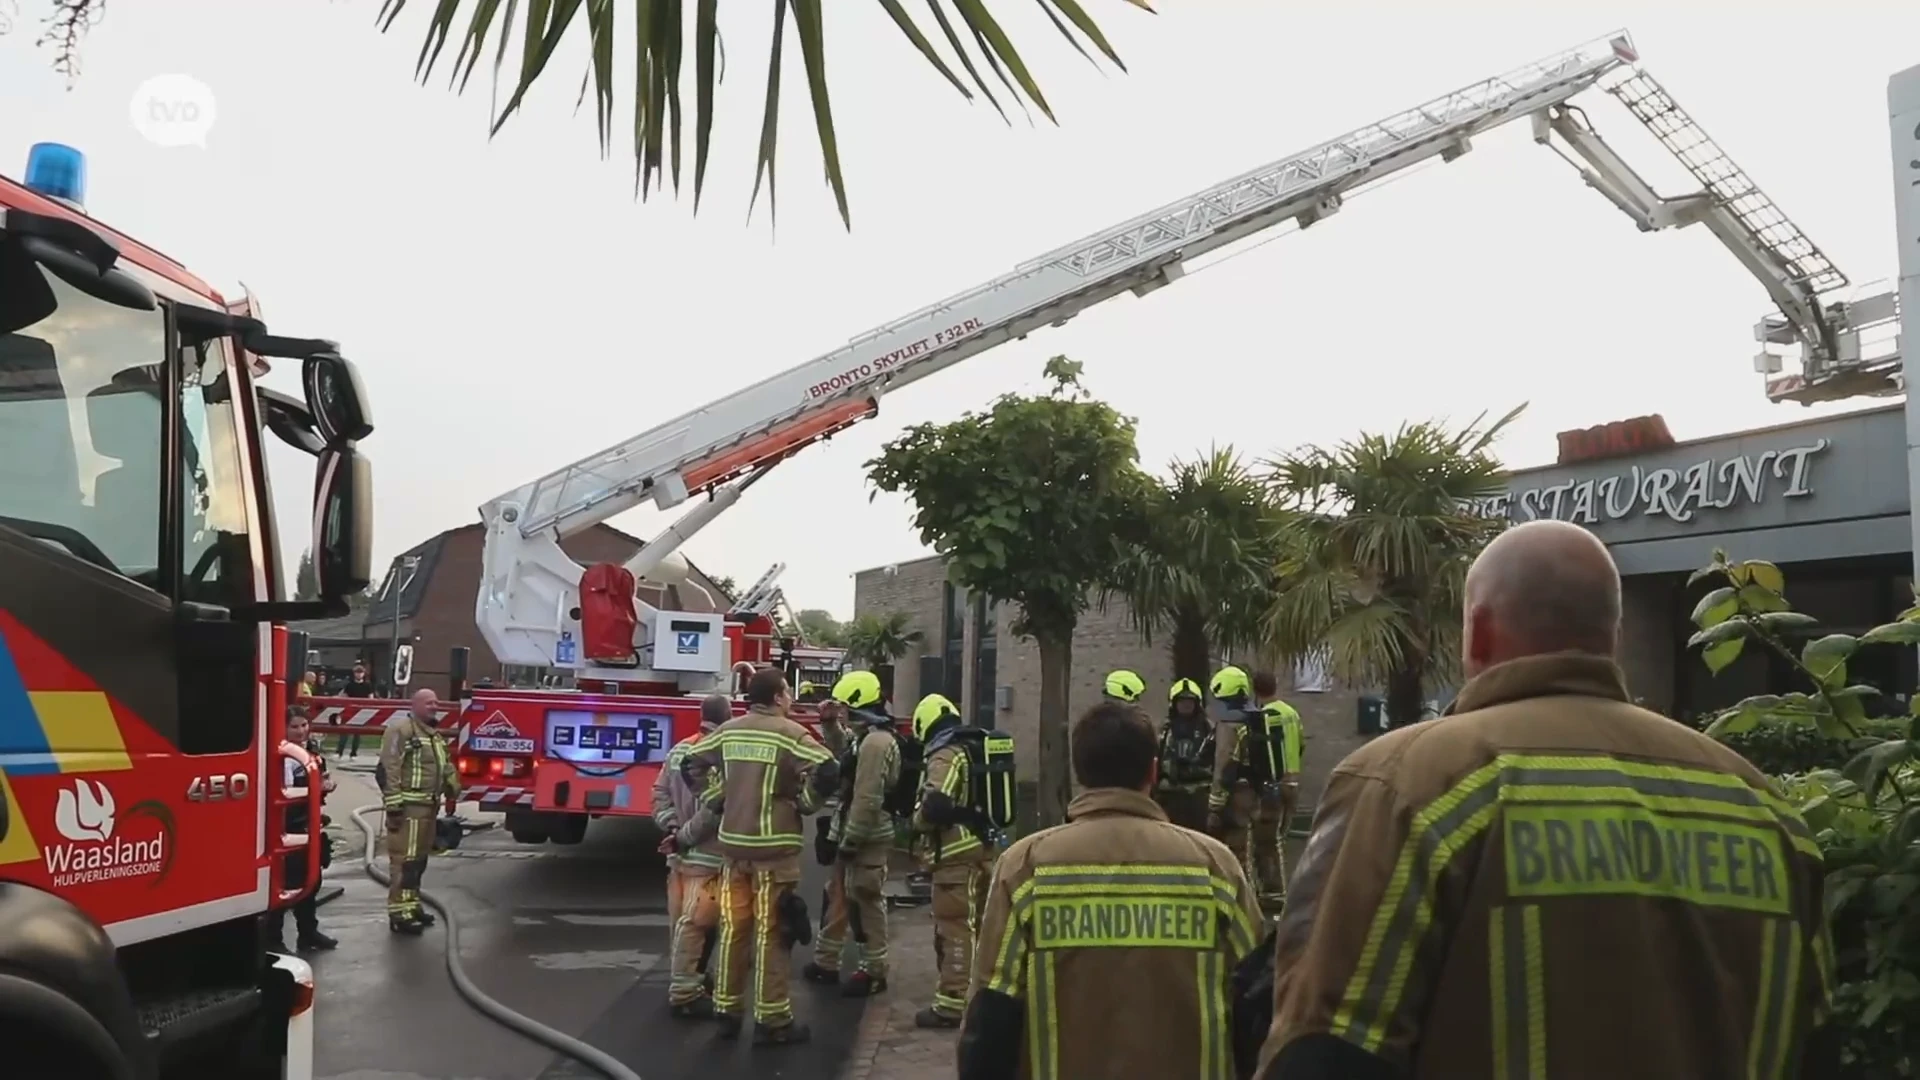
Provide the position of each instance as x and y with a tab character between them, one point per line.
1677	494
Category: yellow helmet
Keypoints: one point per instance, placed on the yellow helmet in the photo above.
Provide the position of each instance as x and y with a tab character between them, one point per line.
1124	686
804	689
857	689
932	709
1183	688
1230	682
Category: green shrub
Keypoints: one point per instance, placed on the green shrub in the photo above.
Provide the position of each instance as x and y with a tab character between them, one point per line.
1855	781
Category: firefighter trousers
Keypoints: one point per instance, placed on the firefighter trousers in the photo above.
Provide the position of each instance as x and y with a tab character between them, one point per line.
409	842
750	939
693	909
856	910
1253	833
959	896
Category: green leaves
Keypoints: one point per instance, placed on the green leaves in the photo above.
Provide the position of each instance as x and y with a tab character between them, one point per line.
1716	607
1826	659
658	41
1897	633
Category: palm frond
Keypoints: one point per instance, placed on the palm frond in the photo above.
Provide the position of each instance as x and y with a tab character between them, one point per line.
969	27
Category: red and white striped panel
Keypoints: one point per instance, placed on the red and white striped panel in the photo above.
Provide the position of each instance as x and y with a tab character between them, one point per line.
331	718
492	797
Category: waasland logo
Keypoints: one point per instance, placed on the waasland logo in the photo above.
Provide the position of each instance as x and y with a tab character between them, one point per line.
85	817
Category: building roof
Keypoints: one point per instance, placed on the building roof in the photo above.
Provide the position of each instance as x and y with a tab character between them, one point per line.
339	630
413	584
1743	433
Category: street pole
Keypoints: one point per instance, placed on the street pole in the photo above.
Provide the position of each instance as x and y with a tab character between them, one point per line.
1903	108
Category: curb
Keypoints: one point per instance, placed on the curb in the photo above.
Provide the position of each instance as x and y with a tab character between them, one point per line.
866	1045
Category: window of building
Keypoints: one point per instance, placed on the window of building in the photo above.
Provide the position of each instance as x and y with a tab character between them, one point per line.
985	655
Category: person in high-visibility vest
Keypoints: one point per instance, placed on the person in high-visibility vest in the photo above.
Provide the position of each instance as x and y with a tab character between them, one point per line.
1107	943
1552	881
1186	757
415	778
1243	806
860	837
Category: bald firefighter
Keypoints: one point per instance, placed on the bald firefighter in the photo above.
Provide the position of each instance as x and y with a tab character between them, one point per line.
693	867
861	836
1186	757
959	854
1551	882
1123	685
1244	803
1108	942
768	773
415	778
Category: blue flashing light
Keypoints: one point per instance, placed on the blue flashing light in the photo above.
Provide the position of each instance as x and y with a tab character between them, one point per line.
59	172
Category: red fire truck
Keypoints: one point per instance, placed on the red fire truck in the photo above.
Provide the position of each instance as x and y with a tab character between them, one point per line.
143	672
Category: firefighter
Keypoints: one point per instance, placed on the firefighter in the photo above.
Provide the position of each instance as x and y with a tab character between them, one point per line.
1106	943
959	855
859	842
1553	882
768	773
1285	719
1124	686
862	841
1243	803
1186	757
693	868
415	777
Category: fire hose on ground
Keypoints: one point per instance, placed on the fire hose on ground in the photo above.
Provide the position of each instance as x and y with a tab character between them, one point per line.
557	1041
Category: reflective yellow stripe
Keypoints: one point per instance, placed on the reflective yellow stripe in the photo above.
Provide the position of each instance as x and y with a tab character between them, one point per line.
1043	1020
1773	1006
1515	970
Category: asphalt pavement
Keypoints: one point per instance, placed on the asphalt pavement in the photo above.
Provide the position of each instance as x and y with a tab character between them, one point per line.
575	937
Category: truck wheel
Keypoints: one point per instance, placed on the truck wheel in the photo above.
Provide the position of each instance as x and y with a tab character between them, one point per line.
528	835
32	1054
570	829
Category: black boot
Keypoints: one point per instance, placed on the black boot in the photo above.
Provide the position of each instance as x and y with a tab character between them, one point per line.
315	941
814	973
931	1017
409	925
697	1009
729	1024
788	1034
862	984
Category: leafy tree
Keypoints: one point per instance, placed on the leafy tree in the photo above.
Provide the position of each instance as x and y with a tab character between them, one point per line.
1374	553
1029	502
1204	569
818	627
726	585
1865	815
880	640
306	580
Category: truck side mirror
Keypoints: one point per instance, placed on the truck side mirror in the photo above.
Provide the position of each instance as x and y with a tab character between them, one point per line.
336	398
343	523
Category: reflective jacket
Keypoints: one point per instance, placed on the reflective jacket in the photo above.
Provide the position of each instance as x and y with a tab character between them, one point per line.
864	823
1231	765
676	804
414	770
760	766
948	776
1553	882
1106	949
1186	753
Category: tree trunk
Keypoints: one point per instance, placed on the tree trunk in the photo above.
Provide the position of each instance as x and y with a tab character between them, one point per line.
1192	652
1405	694
1054	785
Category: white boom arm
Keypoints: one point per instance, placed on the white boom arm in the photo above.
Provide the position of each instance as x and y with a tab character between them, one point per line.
531	586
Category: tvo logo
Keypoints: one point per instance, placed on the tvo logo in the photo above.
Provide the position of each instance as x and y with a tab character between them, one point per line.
173	110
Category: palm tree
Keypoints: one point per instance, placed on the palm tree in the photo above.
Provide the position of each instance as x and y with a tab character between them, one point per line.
660	38
1203	569
1375	549
879	640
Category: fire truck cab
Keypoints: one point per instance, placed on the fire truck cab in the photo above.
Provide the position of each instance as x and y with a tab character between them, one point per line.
142	676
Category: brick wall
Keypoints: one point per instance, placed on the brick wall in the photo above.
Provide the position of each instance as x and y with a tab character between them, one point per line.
445	618
915	588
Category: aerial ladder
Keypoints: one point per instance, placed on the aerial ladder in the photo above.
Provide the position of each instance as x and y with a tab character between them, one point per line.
529	599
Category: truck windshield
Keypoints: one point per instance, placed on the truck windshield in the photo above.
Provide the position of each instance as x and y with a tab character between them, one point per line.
82	408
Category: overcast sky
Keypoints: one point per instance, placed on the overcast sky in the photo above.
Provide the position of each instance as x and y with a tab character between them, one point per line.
514	308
